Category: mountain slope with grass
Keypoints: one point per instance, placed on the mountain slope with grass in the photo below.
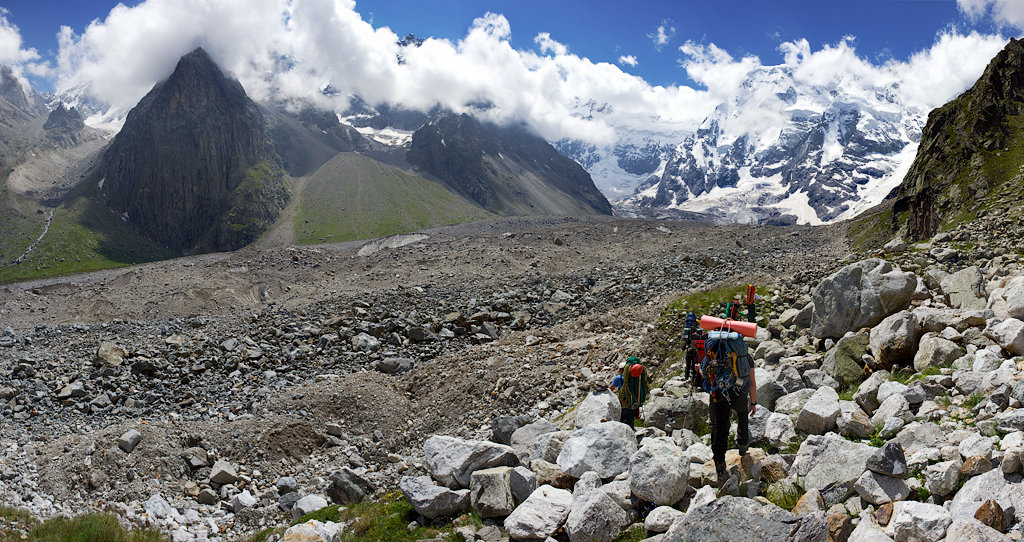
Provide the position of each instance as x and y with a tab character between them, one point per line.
972	149
355	197
504	169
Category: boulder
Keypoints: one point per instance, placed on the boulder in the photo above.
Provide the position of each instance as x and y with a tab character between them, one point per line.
779	431
1006	489
820	412
594	517
661	518
502	427
867	393
598	407
551	474
1008	301
830	459
733	518
590	480
522	439
242	501
972	530
816	378
549	445
659	472
894	406
110	355
348	487
965	289
894	340
768	387
860	295
523	482
307	505
843	361
888	389
605	448
431	500
619	491
490	492
1008	334
1010	421
934	351
879	489
313	531
540	515
791	404
986	361
913	520
918	436
991	515
933	319
889	460
223	473
129	440
867	530
452	460
757	423
852	422
976	444
941	478
394	365
669	413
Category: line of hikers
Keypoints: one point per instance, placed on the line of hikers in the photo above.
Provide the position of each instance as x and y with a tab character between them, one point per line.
717	362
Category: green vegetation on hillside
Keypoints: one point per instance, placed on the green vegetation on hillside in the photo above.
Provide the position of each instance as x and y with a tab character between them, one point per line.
83	236
16	525
870	231
255	204
354	197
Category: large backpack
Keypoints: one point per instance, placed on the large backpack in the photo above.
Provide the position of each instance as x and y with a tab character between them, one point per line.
726	365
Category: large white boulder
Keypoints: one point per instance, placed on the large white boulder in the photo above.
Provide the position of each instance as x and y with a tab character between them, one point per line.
452	460
935	351
604	448
828	459
913	520
820	412
490	492
523	439
659	472
595	517
313	531
894	340
860	295
1008	334
1008	301
431	500
598	407
540	515
965	289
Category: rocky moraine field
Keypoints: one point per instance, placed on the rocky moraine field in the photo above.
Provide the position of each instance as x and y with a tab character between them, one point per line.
452	385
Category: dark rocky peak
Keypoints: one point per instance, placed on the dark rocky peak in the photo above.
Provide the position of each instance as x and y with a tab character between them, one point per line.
504	169
411	39
198	83
970	152
64	126
178	165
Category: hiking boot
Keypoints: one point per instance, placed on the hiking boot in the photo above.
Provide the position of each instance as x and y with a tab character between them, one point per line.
742	450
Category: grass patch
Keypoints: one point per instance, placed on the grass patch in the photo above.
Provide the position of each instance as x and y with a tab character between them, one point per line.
354	197
386	519
710	302
634	534
975	399
876	439
929	371
19	525
871	231
848	393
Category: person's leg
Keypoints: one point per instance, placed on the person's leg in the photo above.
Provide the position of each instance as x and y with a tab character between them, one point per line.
628	416
719	432
739	404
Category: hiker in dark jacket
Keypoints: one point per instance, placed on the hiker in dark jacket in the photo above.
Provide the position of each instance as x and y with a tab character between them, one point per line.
633	390
731	398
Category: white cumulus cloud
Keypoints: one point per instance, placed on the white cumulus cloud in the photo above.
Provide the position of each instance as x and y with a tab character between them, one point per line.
1003	12
290	49
661	35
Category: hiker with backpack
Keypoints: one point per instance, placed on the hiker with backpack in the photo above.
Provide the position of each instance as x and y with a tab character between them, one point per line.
632	387
728	376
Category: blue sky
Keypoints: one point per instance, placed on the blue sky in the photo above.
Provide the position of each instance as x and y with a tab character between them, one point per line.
605	31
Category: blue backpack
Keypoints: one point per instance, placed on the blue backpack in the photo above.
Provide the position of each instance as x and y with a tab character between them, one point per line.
726	365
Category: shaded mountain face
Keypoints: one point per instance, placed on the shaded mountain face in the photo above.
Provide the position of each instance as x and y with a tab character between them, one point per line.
786	150
64	126
18	106
506	170
177	167
972	148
